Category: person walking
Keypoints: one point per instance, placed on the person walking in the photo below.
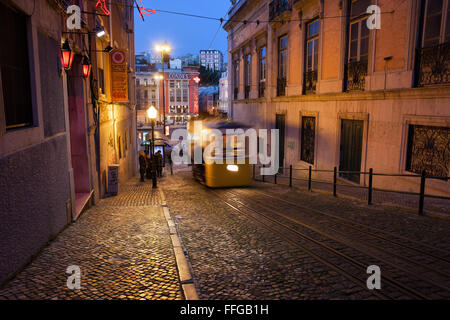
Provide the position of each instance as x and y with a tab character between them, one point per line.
142	165
169	161
149	167
158	159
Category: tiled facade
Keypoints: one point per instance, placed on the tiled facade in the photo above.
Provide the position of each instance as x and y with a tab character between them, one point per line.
59	129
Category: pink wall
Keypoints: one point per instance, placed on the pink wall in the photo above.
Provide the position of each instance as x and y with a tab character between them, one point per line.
77	118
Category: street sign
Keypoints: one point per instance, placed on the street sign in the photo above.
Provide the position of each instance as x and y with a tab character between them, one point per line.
119	76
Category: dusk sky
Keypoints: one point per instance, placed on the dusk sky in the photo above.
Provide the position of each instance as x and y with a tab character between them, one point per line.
185	34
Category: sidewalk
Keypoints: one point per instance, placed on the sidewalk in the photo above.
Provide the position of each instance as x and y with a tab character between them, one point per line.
122	246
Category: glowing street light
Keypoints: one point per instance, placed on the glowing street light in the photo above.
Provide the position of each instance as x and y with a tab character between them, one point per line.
165	49
152	113
86	67
66	55
100	31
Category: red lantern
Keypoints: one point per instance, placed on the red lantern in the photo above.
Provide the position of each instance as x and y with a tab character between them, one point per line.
86	67
66	55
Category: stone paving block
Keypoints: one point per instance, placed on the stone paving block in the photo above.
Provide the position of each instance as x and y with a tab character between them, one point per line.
122	246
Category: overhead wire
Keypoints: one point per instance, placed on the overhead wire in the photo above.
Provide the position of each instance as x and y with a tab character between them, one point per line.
218	29
222	20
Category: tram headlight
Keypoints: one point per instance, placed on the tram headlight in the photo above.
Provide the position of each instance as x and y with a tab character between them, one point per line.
232	168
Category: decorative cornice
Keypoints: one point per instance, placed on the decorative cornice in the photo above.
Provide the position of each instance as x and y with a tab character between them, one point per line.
414	93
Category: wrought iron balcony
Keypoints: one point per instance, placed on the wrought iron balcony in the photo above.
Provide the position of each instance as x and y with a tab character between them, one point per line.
278	7
310	82
281	87
355	74
433	65
261	89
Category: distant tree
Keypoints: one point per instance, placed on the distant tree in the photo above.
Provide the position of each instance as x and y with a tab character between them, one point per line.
209	77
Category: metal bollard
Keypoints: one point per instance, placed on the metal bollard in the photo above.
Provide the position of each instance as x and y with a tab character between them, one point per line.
369	196
422	192
335	182
290	175
309	179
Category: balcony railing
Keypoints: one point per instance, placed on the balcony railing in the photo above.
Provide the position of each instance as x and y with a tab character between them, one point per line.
433	65
261	89
278	7
355	73
310	82
281	87
247	92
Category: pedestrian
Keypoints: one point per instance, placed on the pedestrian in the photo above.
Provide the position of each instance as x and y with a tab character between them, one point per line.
158	159
169	161
149	167
142	165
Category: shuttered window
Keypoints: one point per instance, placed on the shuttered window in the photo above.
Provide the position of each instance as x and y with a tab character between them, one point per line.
14	68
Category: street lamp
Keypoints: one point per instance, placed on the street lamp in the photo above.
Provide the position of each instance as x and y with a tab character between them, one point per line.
165	49
86	67
159	77
152	114
66	55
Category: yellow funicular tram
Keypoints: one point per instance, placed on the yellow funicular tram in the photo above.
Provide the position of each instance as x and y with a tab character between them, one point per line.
235	169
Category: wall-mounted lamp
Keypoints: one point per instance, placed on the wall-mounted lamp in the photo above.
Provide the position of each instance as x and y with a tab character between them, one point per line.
86	67
100	31
66	55
108	49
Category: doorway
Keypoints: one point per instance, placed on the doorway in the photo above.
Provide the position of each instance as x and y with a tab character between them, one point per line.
78	144
351	149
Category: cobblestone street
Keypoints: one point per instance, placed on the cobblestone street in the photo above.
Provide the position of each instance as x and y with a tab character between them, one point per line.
122	246
235	255
261	242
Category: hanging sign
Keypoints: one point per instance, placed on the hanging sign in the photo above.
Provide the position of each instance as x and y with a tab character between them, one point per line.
119	76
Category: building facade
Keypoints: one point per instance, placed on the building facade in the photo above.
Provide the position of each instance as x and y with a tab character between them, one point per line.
59	129
211	59
209	100
223	94
180	93
342	92
147	92
182	98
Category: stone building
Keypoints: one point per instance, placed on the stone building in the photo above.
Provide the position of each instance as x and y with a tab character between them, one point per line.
223	94
180	93
60	128
147	92
209	99
342	92
211	59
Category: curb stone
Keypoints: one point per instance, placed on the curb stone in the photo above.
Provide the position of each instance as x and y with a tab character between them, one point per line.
183	265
